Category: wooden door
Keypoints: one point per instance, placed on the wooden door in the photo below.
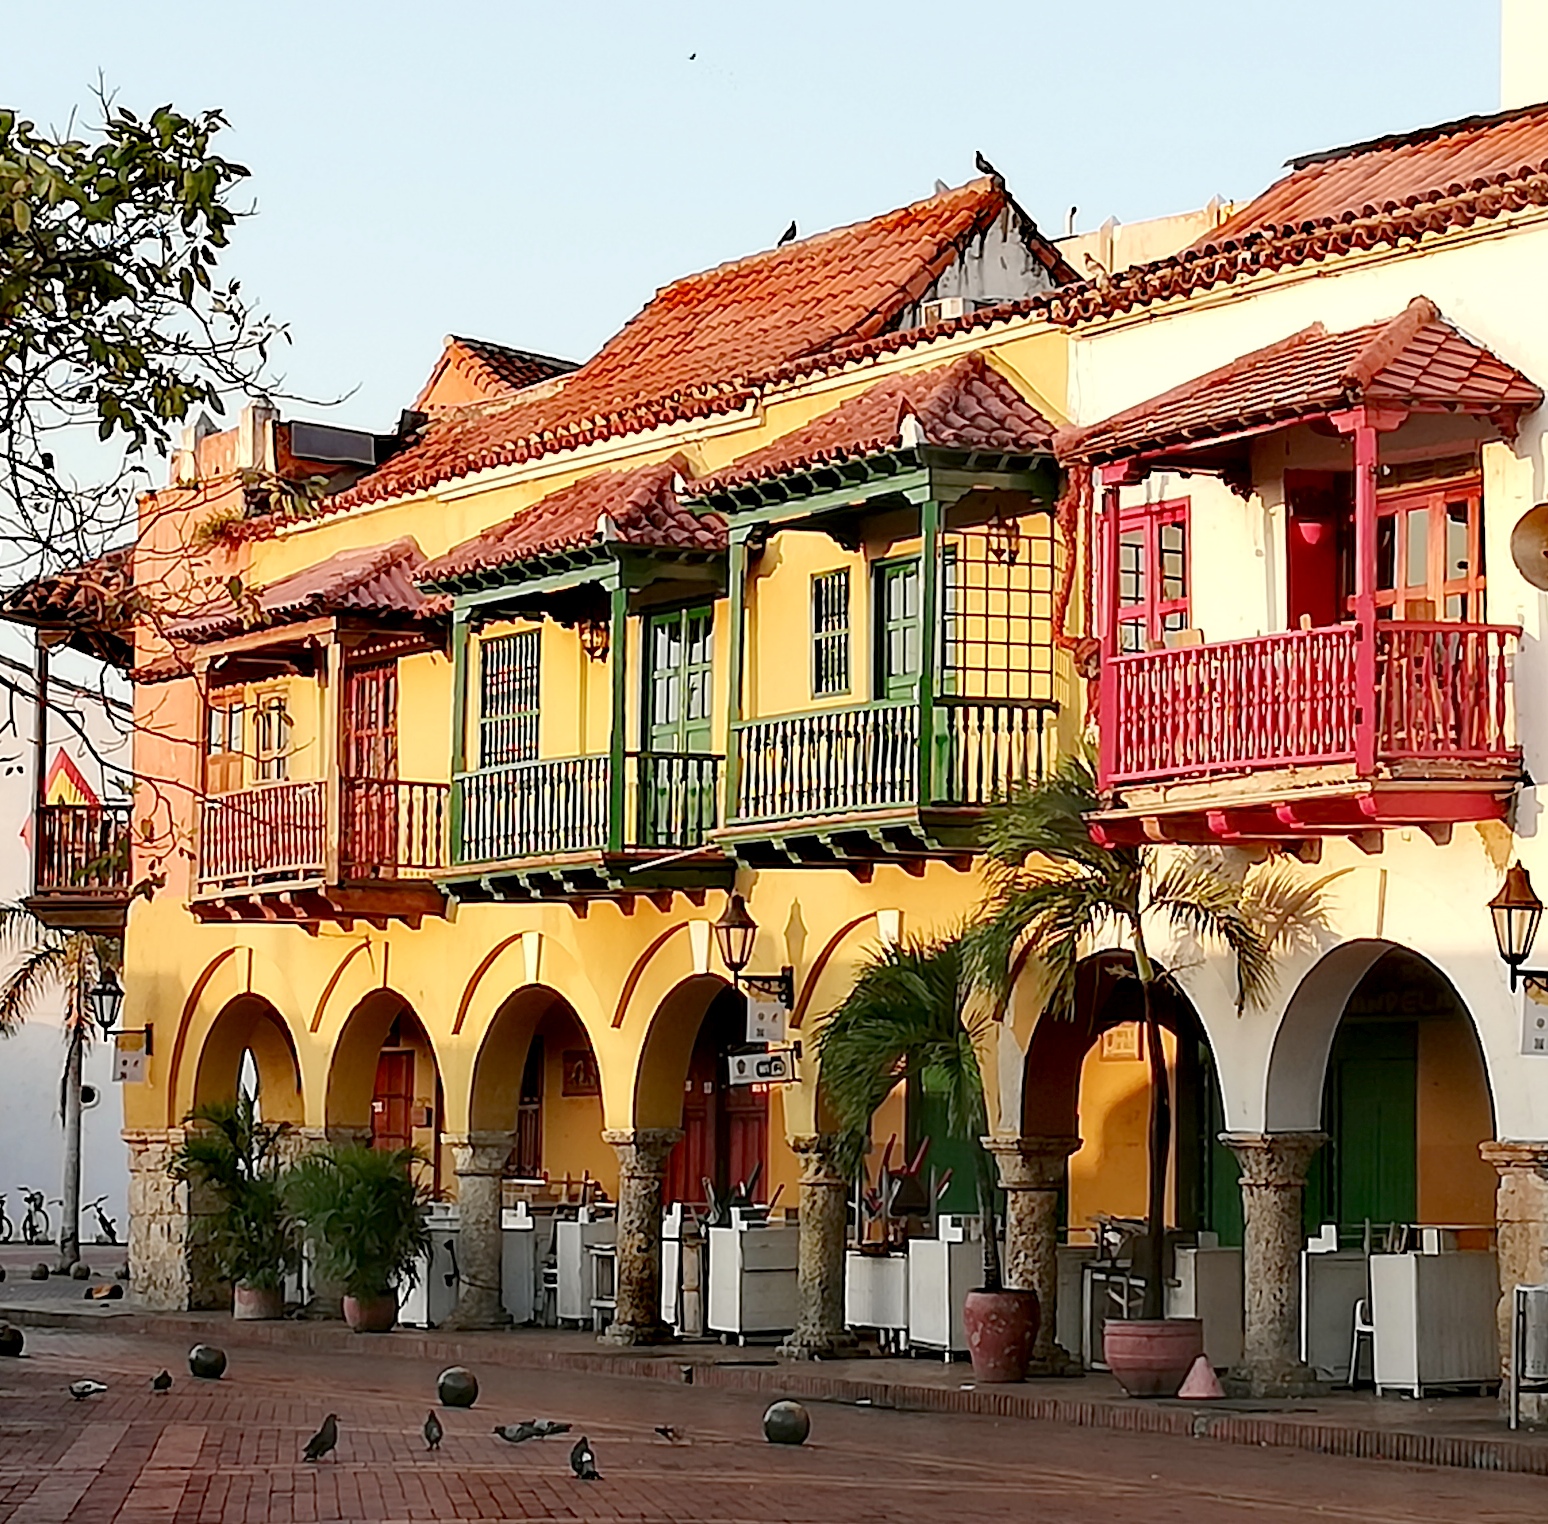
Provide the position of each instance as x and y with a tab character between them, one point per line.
392	1103
369	753
223	742
692	1161
746	1124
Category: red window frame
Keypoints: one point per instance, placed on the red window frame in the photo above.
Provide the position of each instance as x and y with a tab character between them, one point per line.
1145	617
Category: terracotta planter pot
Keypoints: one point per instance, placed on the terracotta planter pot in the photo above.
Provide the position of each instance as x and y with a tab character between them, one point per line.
1001	1329
371	1314
251	1304
1151	1357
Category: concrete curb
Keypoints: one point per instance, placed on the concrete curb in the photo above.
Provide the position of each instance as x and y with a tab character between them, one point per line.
817	1383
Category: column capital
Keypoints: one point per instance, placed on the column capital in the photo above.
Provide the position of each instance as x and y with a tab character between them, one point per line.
1032	1163
642	1150
1274	1160
816	1153
481	1153
1510	1154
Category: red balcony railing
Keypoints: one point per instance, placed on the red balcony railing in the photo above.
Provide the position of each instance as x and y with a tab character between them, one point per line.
82	849
1441	694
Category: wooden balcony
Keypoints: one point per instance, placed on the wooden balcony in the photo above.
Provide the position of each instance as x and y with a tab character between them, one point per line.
579	828
81	871
843	786
296	851
1293	735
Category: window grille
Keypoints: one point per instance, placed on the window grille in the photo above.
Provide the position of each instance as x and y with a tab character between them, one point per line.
830	633
508	710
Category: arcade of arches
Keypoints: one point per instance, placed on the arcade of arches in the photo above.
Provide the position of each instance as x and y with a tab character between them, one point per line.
1387	1069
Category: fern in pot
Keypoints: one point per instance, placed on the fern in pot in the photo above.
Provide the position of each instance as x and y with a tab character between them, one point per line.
366	1217
234	1163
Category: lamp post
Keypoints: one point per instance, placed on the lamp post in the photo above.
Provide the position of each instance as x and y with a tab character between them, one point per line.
1517	912
735	933
106	999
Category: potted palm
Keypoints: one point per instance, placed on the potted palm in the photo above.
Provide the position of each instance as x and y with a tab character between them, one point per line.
366	1217
914	1014
234	1161
1053	887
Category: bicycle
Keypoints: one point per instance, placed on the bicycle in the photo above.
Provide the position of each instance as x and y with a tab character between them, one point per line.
107	1228
36	1228
7	1227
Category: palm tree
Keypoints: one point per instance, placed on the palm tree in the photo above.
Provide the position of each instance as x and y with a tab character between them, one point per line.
1055	890
69	963
914	1013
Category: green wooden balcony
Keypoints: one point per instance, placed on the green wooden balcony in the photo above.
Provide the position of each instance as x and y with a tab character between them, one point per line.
583	827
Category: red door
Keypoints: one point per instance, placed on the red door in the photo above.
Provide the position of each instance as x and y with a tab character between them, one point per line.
693	1160
392	1124
370	757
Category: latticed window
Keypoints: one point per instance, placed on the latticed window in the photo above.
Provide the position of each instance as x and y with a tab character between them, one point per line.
271	739
508	710
830	632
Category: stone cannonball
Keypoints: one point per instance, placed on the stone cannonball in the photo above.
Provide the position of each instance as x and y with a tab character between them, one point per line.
39	1271
207	1362
10	1340
787	1423
457	1387
80	1271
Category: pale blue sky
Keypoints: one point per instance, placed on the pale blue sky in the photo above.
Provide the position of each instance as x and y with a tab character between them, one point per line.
531	173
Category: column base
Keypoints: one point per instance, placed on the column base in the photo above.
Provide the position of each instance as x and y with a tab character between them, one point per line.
836	1346
1296	1380
1057	1362
630	1334
472	1320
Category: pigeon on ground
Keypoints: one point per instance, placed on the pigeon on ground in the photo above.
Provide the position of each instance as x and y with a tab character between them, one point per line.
669	1434
81	1390
323	1440
583	1462
547	1428
516	1433
162	1383
433	1432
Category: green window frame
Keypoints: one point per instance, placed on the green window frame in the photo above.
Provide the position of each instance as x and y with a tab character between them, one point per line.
509	698
897	650
830	633
679	648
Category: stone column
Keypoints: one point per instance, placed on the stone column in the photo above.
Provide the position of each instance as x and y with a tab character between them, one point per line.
159	1272
820	1333
1032	1172
642	1156
1273	1181
1521	1218
479	1160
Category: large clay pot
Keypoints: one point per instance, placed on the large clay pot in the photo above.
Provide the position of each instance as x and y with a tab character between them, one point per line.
371	1314
251	1304
1152	1357
1001	1330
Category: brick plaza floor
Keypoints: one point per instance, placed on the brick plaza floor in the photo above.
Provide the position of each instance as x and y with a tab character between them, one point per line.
231	1451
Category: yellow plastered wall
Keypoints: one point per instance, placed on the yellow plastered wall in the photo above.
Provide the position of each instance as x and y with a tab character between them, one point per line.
1456	1185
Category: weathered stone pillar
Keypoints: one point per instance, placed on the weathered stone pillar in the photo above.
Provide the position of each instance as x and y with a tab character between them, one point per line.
159	1272
819	1332
479	1160
1273	1182
1521	1220
1032	1172
642	1155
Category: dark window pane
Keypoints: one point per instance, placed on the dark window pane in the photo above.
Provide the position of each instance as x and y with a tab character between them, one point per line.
1386	551
1458	519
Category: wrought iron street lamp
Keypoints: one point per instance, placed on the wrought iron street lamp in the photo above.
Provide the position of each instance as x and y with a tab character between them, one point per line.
735	933
106	998
1517	912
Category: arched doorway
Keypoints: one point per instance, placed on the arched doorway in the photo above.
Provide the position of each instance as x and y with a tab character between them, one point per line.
384	1083
725	1142
250	1044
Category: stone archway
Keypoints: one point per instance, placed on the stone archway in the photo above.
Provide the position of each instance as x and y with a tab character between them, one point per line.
250	1025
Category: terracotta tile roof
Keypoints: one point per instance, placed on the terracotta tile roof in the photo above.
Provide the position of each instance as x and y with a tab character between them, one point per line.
379	581
706	341
491	370
93	603
1417	360
638	507
964	405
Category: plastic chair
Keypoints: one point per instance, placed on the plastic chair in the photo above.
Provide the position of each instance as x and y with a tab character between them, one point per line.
1364	1328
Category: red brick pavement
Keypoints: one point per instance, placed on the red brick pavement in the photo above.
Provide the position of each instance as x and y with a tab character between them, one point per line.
230	1451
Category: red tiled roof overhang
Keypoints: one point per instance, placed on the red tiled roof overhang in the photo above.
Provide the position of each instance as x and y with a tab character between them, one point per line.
637	508
378	581
1417	361
965	405
92	604
706	342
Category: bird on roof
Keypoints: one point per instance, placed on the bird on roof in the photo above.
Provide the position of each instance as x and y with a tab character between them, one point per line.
984	167
517	1433
583	1462
433	1432
323	1440
1097	274
788	236
162	1382
81	1390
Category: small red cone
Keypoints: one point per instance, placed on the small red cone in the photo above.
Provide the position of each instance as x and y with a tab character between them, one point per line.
1201	1383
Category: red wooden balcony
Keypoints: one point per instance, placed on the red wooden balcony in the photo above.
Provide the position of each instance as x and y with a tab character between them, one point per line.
81	872
296	850
1274	737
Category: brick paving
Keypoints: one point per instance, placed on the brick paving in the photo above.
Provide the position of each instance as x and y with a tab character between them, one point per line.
230	1451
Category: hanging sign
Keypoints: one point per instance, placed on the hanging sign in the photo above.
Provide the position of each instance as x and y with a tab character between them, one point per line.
774	1067
131	1051
1534	1024
765	1018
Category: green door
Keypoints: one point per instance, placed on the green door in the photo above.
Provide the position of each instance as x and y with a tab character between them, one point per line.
925	1114
1368	1169
898	629
677	791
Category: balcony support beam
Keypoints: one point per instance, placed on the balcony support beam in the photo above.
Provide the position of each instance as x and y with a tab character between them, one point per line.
333	746
39	753
618	665
932	640
1107	606
459	729
736	585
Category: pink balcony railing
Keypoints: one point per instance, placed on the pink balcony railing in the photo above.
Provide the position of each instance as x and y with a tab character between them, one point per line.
1441	694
